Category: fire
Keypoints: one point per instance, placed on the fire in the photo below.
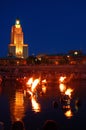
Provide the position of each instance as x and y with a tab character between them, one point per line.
44	81
43	88
62	87
68	113
34	84
32	88
68	92
62	78
30	92
30	81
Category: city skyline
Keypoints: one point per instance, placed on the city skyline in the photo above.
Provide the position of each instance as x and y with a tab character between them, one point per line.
50	27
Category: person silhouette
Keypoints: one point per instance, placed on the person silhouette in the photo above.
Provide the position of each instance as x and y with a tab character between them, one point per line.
50	125
1	125
18	125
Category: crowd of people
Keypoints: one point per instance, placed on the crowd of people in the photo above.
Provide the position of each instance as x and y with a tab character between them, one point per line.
19	125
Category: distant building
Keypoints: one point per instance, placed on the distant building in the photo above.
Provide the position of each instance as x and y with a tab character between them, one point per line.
17	47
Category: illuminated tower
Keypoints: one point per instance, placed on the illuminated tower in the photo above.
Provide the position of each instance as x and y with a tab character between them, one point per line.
17	47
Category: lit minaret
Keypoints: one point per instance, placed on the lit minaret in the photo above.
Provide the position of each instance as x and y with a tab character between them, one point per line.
17	47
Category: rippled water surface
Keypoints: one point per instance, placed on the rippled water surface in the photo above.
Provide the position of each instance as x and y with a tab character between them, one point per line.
16	103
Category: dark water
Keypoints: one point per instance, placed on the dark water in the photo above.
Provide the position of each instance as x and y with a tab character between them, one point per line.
16	104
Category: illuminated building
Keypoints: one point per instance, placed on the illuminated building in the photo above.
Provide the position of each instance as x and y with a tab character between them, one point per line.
17	47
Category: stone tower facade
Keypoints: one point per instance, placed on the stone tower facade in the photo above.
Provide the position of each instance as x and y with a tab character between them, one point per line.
17	47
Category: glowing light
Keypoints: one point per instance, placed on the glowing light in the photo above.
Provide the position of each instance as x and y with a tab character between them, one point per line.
17	24
44	81
30	92
68	92
36	81
30	81
35	105
43	88
75	52
62	78
17	113
68	113
62	87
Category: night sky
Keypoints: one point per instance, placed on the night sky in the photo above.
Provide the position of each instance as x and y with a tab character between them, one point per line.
49	26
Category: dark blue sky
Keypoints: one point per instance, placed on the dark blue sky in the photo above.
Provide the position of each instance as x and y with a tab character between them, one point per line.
49	26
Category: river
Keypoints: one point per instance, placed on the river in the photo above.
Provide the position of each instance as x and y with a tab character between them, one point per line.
17	104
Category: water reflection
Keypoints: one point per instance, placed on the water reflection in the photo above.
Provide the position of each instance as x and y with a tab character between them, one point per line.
36	96
35	105
66	97
68	113
32	91
17	107
77	104
5	116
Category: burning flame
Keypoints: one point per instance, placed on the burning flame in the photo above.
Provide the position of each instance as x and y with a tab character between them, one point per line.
30	81
32	90
34	84
62	78
43	88
68	92
68	113
62	87
44	81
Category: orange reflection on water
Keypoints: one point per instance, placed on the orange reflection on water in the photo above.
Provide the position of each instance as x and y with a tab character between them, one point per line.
68	113
35	105
17	109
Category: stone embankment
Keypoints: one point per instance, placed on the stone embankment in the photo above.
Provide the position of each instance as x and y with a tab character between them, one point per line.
21	71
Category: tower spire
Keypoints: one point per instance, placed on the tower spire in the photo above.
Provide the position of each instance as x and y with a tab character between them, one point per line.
17	23
17	46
